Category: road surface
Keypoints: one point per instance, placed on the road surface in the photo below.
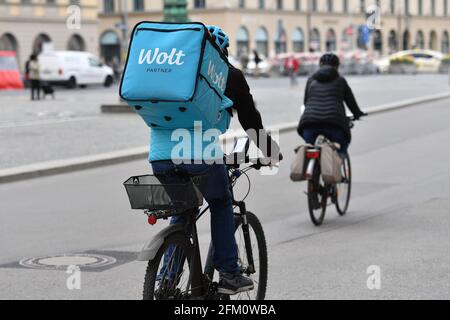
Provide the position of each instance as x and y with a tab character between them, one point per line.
73	126
398	221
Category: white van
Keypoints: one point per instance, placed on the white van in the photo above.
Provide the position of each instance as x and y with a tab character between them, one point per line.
74	68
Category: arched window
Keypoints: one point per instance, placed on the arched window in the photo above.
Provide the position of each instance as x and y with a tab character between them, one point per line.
392	41
445	43
242	41
378	41
280	41
262	41
9	43
330	40
420	40
314	40
76	43
406	40
298	40
346	39
110	46
433	40
39	43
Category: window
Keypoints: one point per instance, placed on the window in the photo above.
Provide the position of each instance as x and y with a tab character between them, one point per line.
330	5
108	6
199	4
420	42
138	5
362	6
298	6
407	7
261	4
242	42
262	41
298	40
433	7
420	7
94	62
280	4
345	6
331	40
445	7
392	7
445	43
241	3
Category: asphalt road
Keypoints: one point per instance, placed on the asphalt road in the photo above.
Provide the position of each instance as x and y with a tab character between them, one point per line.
73	126
398	221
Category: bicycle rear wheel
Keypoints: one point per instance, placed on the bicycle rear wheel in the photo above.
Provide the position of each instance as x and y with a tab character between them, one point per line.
317	197
343	189
168	274
259	252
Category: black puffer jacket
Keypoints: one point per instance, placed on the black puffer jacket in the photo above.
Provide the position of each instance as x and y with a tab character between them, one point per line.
325	94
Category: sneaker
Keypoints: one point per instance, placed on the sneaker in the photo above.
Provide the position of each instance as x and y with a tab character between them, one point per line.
231	284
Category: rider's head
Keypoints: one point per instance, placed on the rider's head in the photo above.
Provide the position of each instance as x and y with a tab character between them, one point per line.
329	59
220	37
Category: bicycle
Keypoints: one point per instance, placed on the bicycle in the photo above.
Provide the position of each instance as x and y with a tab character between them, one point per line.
318	191
174	270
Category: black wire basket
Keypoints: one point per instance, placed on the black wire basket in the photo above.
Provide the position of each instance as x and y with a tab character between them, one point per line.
156	193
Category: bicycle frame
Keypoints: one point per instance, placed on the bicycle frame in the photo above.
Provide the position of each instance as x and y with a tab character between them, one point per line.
199	283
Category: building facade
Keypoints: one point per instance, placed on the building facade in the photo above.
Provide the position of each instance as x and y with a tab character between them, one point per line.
28	26
274	26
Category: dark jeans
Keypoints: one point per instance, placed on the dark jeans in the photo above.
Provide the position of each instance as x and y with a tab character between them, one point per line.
335	134
35	87
219	198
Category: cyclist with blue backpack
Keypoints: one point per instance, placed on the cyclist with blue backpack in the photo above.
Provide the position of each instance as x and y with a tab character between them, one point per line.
217	193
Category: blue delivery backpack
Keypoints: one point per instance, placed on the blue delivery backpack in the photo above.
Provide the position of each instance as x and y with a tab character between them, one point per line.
176	74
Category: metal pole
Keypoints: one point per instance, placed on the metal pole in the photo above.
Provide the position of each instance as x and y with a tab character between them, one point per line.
124	9
308	24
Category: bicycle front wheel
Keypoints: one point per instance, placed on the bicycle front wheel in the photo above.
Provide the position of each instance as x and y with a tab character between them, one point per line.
168	274
343	189
317	197
259	253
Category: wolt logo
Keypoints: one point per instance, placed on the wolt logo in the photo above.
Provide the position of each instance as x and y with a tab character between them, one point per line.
161	57
374	280
217	78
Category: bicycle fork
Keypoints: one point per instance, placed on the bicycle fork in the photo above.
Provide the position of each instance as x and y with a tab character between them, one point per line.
209	266
247	239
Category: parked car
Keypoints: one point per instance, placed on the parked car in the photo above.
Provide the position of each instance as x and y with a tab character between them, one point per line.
74	68
358	62
9	71
425	60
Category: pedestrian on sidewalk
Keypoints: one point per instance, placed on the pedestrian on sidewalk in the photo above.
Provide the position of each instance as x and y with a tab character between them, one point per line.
33	74
292	65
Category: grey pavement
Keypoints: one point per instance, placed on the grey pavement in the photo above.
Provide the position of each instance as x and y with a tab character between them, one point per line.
398	220
73	126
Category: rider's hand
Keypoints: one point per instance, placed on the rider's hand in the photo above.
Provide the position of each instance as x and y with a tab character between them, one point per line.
276	159
362	114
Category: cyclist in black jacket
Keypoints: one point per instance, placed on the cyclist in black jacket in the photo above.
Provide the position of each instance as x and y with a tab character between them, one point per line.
325	94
